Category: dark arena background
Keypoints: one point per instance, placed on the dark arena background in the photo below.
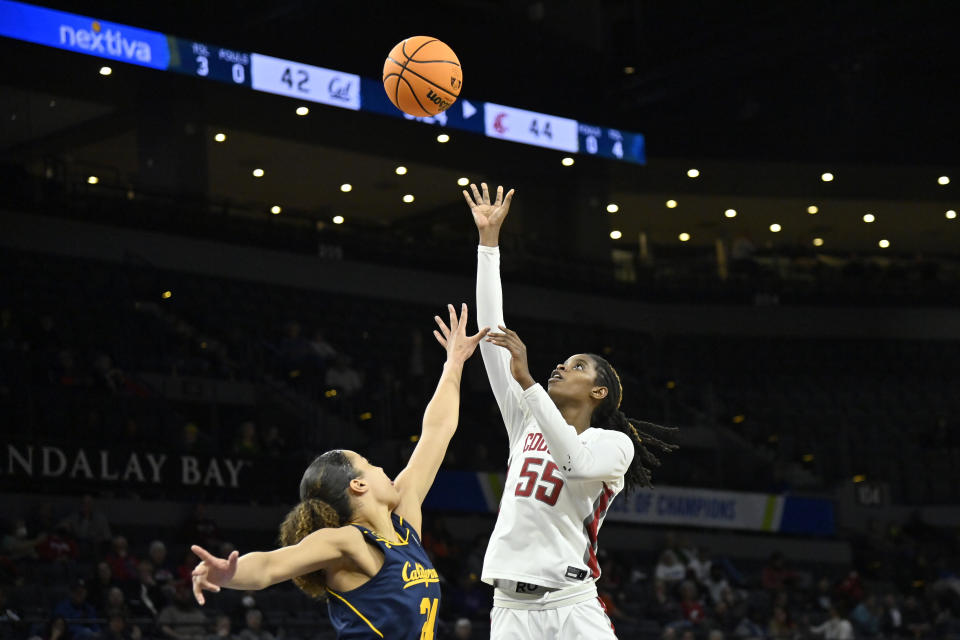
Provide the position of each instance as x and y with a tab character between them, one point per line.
215	268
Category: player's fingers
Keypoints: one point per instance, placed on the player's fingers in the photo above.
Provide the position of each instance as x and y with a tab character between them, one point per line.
443	343
479	335
476	194
499	195
443	327
470	202
464	315
486	193
209	586
453	318
203	554
197	593
509	196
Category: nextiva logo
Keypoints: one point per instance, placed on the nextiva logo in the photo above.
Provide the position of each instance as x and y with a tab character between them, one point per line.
83	35
106	42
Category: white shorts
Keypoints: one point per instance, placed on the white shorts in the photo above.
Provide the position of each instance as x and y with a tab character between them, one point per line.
536	619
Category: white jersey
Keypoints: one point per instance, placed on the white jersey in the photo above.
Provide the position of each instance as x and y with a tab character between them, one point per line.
559	484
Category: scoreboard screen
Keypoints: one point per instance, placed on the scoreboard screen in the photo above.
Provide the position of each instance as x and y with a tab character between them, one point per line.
132	45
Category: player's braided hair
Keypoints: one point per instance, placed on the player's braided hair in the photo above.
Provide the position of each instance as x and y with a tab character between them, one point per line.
643	434
324	502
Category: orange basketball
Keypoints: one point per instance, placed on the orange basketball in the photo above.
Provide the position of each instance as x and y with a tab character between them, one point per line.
422	76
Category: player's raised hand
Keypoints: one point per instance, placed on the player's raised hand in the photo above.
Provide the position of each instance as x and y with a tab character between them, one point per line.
454	337
488	216
212	572
510	341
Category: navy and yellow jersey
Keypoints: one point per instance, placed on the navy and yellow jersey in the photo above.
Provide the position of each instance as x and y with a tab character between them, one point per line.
400	602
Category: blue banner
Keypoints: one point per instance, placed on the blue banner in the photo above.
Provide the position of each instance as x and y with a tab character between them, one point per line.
480	493
84	35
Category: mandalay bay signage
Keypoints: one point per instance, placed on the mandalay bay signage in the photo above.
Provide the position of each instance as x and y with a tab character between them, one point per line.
36	461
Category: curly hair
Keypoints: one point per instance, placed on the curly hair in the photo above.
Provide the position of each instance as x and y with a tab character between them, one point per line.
644	435
324	502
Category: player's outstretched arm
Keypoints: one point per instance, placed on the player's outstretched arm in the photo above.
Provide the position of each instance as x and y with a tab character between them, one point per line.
440	417
488	217
259	569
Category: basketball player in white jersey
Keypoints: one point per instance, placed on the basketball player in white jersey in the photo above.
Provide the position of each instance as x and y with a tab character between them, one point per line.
571	452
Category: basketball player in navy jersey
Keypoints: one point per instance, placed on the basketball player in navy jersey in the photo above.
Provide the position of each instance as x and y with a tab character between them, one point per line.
355	535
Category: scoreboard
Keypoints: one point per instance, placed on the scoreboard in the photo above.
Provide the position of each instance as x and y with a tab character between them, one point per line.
132	45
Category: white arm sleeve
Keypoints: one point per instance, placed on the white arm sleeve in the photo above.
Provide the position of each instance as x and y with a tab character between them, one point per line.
497	359
606	458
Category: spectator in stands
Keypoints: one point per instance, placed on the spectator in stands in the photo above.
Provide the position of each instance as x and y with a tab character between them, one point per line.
162	572
75	607
824	595
274	444
343	377
776	575
835	628
469	598
851	588
146	598
247	443
723	618
669	568
119	629
105	375
222	629
57	546
463	629
65	373
690	605
254	629
55	629
88	524
192	441
780	626
200	529
699	563
293	349
892	623
716	582
99	588
915	619
321	351
11	621
866	617
182	619
17	543
661	606
122	563
116	604
750	626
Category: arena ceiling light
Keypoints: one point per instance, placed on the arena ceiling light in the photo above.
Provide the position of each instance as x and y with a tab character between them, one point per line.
693	173
826	177
813	209
671	204
346	187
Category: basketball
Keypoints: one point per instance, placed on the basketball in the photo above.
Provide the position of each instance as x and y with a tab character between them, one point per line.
422	76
